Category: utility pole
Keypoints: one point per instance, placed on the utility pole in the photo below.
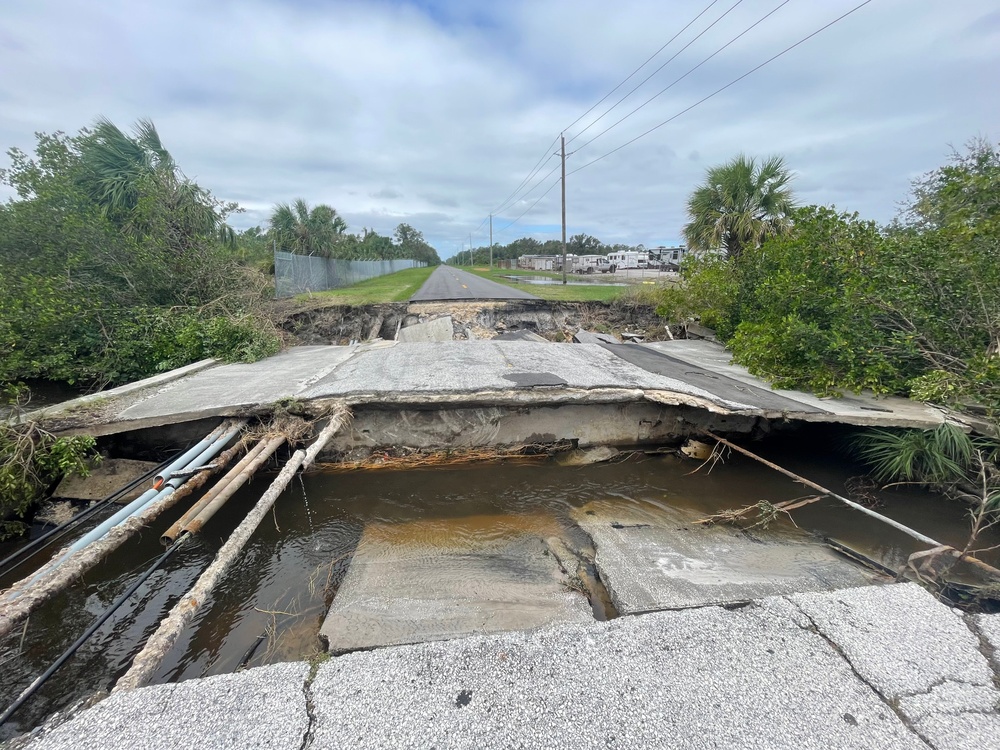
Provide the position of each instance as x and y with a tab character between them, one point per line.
470	249
562	142
491	242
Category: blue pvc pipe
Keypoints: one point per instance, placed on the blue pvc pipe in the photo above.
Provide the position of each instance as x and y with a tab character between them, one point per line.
196	456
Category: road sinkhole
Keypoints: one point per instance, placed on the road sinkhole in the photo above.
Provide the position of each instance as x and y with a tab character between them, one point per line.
361	559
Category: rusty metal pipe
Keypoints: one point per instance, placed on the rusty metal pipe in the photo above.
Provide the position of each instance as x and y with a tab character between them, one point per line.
148	660
174	531
211	507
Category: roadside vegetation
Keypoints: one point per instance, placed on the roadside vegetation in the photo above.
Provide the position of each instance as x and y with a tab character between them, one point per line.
116	266
830	302
814	298
394	287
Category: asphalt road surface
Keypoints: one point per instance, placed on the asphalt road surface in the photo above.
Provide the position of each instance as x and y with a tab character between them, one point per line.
448	283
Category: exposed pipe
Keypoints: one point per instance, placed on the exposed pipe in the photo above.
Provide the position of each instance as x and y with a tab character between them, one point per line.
41	679
50	579
178	526
197	456
209	509
986	567
35	546
149	659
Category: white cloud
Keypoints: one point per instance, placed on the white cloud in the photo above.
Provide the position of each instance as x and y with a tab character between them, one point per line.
432	112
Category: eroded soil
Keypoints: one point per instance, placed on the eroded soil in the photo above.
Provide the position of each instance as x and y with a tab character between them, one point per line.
555	321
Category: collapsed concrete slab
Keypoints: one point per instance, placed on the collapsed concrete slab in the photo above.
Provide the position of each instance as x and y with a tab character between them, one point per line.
439	579
654	558
109	476
438	329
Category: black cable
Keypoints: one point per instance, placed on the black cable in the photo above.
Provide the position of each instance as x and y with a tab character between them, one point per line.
707	8
541	160
723	88
508	226
41	679
731	9
81	516
689	72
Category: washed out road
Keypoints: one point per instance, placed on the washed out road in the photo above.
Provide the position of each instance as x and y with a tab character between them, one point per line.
448	283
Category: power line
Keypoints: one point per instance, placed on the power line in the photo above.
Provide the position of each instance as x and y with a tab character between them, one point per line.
546	155
689	72
538	185
644	80
648	59
723	88
549	190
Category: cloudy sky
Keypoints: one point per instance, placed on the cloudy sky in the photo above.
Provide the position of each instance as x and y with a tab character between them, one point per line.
433	112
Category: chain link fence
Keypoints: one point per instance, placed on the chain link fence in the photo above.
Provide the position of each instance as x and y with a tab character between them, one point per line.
298	274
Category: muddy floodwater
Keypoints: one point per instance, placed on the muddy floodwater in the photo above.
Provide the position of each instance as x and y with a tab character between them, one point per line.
273	602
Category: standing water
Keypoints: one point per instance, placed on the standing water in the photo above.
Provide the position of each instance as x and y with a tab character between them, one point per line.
273	601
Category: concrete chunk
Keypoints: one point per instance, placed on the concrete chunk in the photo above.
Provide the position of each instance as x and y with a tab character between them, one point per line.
106	478
439	579
593	337
653	558
438	329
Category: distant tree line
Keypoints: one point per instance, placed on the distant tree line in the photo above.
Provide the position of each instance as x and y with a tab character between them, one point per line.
321	231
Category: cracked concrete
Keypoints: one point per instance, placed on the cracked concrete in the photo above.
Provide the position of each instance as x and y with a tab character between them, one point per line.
880	667
918	656
987	629
307	736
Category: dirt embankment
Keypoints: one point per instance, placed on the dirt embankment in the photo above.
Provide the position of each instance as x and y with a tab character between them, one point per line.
555	321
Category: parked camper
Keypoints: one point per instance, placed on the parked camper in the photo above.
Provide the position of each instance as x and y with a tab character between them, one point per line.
629	259
591	264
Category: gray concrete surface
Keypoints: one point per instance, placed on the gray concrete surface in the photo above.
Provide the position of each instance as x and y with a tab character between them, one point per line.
447	578
853	409
653	558
917	655
449	283
260	708
658	361
484	372
475	366
763	676
902	650
438	329
222	388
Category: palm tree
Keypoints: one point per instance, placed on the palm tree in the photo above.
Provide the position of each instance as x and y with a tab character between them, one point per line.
119	171
740	204
300	230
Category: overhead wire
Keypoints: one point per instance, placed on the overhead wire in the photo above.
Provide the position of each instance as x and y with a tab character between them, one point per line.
539	198
689	72
648	60
508	201
723	88
644	80
546	155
